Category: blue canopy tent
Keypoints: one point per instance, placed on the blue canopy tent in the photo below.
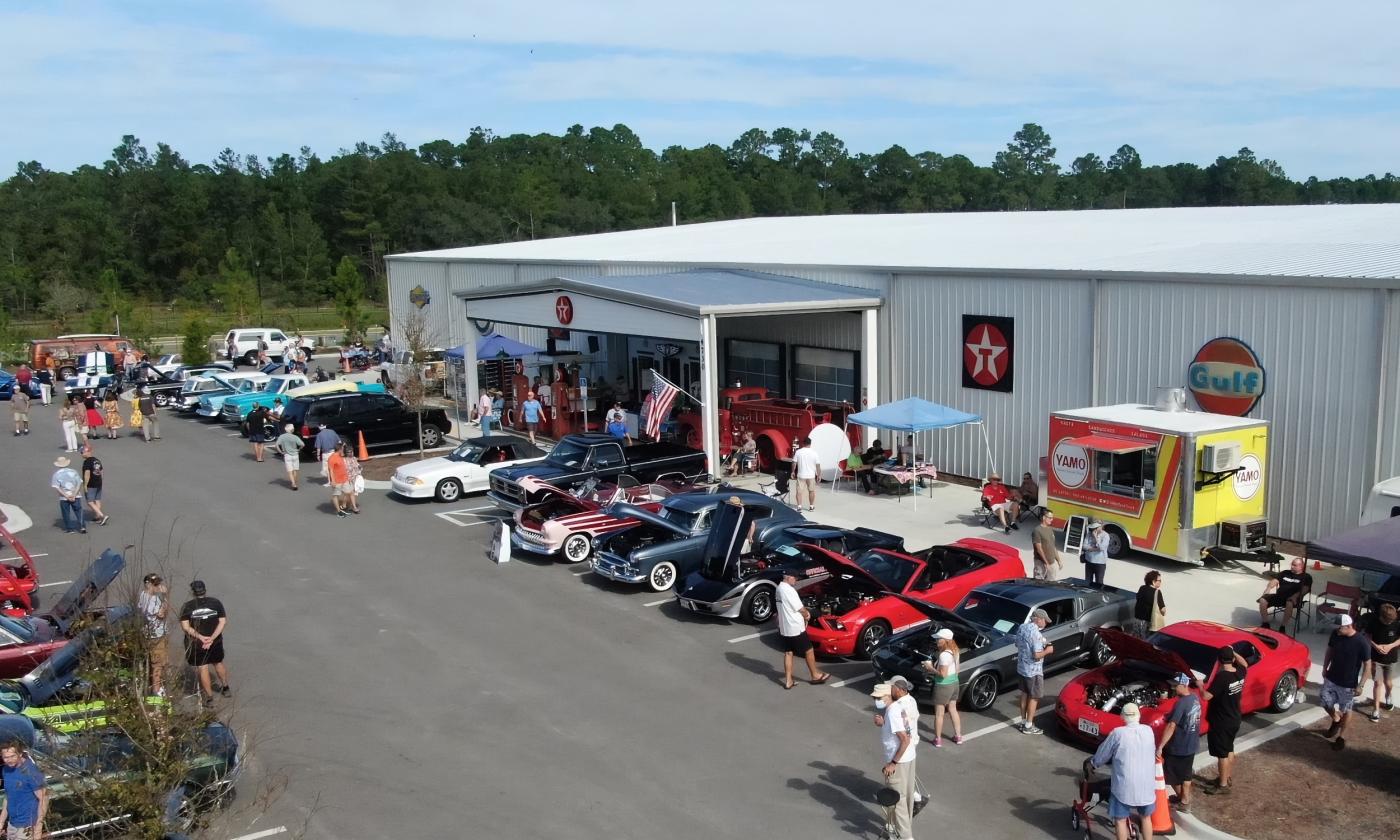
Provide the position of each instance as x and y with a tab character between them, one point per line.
913	414
494	346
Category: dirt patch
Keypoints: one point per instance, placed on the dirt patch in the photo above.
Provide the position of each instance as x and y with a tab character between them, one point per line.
382	467
1298	786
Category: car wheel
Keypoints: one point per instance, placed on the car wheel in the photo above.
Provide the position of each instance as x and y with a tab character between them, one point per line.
430	436
871	635
67	372
251	358
1117	542
981	693
161	399
662	577
577	547
1101	653
758	605
449	490
1285	692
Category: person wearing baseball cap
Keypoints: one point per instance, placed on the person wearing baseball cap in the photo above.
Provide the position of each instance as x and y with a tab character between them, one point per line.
1095	552
1031	650
944	667
1347	652
203	619
899	735
1132	750
1181	738
792	631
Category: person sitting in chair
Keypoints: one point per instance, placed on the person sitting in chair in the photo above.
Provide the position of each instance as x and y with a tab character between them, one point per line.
1002	502
1030	491
869	460
744	457
1287	591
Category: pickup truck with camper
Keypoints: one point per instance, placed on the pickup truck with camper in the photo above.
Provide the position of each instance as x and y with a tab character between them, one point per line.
578	458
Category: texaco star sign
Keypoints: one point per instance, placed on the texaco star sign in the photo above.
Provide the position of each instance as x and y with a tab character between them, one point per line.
564	309
987	352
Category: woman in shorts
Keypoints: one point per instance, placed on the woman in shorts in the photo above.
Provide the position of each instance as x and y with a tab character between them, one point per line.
257	431
944	668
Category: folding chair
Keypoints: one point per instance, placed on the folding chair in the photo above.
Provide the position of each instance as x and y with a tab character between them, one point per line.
1337	599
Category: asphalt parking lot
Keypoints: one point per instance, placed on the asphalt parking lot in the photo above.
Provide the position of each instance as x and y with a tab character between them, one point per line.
390	681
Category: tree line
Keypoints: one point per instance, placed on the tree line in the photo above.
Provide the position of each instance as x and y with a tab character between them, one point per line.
298	229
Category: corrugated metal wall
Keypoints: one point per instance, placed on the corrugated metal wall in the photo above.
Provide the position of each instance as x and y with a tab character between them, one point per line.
924	317
1320	351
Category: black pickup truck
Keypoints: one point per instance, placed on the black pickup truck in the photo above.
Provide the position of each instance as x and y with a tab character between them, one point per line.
577	458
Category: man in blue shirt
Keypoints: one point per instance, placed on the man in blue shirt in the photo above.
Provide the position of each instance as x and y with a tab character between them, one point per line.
1031	650
1181	737
326	439
1095	553
26	794
531	408
1133	792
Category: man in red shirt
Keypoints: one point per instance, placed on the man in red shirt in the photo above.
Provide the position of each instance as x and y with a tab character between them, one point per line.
1002	502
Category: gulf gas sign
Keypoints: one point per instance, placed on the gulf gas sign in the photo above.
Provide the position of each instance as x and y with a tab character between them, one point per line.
1226	377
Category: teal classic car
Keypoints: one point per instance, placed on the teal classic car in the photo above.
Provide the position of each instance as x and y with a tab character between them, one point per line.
211	405
237	408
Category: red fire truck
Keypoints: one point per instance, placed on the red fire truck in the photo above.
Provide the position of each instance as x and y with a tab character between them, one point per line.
775	423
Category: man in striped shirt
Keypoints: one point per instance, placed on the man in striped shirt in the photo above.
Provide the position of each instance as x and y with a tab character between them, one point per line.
1132	750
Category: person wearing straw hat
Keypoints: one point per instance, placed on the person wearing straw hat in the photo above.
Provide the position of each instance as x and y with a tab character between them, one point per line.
899	735
1132	750
70	496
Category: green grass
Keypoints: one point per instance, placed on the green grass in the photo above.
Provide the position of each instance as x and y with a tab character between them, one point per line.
170	322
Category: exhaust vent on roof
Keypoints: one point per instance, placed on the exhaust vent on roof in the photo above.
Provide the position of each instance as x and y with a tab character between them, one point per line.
1168	398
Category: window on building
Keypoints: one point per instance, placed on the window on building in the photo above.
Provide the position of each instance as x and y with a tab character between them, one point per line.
824	375
754	364
1131	474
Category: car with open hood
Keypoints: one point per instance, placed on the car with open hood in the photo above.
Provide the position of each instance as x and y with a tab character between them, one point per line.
854	609
466	469
211	404
26	642
738	584
984	625
219	383
662	548
1090	706
19	580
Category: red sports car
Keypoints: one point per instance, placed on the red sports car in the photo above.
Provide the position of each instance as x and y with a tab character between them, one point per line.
26	642
18	578
1088	706
853	611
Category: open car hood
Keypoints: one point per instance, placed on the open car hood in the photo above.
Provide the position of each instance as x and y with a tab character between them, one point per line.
941	617
623	510
61	670
729	525
87	588
839	567
1125	646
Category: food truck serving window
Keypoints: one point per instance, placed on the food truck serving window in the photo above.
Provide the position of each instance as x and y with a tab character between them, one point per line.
1127	473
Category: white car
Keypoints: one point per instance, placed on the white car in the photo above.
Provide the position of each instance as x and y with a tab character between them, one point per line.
464	470
245	344
168	362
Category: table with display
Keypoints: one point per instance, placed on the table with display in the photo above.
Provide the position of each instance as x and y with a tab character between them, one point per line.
904	474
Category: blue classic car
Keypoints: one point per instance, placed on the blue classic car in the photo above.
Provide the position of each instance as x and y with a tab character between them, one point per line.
211	405
664	547
7	386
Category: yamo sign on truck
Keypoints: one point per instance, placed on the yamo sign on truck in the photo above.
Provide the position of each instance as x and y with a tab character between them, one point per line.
1161	480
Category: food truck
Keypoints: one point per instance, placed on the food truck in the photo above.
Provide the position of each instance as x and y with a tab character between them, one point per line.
1164	480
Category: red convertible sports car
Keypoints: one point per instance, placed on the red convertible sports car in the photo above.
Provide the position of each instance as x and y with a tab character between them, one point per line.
1088	706
26	642
18	578
850	601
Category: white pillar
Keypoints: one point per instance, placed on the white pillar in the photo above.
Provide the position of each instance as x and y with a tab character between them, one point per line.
709	391
472	388
870	361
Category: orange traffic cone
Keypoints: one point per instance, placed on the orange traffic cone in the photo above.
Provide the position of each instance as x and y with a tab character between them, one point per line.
362	453
1162	815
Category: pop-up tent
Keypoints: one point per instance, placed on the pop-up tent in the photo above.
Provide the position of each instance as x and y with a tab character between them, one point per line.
1370	548
913	414
494	346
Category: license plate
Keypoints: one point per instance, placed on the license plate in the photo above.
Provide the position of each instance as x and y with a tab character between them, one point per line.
1088	727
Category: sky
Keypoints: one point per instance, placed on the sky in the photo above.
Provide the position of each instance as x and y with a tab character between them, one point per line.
1313	86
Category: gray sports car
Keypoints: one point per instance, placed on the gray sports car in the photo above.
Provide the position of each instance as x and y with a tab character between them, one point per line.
985	622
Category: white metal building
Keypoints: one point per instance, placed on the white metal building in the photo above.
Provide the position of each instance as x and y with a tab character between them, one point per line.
1106	306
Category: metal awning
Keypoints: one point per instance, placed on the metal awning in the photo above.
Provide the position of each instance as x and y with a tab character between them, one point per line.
1109	443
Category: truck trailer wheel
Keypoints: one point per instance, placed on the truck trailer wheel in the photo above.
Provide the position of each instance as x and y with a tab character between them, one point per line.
1118	543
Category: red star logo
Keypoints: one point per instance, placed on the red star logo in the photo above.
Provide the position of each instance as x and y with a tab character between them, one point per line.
564	309
982	355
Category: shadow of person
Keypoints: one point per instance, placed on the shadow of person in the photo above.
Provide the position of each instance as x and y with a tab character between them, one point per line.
1045	814
849	793
761	667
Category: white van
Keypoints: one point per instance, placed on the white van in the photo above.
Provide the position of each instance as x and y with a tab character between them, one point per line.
1383	502
245	343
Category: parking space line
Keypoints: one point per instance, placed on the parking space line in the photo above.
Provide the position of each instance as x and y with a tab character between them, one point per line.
258	835
56	583
16	557
738	639
658	603
987	730
234	434
861	678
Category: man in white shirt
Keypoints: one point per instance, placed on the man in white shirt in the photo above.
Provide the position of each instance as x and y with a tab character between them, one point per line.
792	629
899	734
806	467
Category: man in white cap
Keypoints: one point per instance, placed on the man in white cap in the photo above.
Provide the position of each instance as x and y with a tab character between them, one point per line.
899	734
1347	652
1095	552
70	496
1132	750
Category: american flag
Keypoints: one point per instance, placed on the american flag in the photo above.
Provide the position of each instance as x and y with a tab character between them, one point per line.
657	405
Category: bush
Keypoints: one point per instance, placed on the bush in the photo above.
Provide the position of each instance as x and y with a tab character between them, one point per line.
195	348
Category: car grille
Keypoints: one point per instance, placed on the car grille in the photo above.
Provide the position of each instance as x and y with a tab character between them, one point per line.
230	411
528	535
507	488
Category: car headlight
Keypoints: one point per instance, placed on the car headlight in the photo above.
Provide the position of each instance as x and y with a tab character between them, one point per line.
837	625
412	480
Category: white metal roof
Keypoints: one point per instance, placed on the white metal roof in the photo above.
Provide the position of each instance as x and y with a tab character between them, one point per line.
1339	241
1172	422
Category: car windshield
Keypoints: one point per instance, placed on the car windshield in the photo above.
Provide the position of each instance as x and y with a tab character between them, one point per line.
569	455
1002	614
220	382
1200	657
22	630
893	572
166	360
682	519
468	453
